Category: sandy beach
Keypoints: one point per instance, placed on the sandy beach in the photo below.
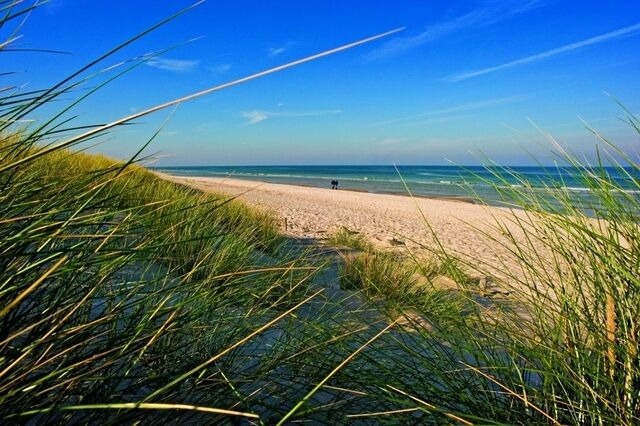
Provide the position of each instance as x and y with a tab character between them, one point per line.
391	222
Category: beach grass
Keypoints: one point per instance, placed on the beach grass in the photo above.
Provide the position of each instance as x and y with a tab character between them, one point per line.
125	298
563	347
344	237
123	293
119	287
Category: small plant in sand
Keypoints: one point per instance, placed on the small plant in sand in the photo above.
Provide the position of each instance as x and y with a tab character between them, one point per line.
344	237
403	281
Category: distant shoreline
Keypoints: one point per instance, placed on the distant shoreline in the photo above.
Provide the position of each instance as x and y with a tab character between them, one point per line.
460	199
481	185
363	191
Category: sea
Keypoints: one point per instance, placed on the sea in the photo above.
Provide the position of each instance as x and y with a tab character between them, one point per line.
483	184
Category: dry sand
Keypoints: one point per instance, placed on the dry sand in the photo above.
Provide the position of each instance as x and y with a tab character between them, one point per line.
393	222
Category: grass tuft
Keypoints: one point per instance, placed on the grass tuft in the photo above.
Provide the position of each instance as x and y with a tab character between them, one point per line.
344	237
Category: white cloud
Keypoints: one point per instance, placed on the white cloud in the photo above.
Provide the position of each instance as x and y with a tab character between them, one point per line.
54	7
203	127
622	32
220	68
178	65
277	50
458	108
478	18
391	141
401	44
257	116
254	117
436	120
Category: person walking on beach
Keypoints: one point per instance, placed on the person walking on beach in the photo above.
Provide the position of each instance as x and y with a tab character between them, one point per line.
334	184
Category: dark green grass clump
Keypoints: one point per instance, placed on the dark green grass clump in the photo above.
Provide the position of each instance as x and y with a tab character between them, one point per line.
118	287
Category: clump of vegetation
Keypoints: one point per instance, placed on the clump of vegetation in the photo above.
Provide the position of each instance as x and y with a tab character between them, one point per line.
565	349
344	237
378	273
584	343
403	283
119	287
121	292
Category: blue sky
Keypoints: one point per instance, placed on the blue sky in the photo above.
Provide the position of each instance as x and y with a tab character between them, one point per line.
464	81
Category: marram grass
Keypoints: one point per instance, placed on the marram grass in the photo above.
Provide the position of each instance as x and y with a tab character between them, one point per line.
561	349
121	292
115	283
127	298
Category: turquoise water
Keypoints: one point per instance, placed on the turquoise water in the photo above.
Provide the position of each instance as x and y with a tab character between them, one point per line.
474	182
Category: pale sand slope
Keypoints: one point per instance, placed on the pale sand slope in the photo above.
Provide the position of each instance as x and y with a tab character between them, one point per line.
316	213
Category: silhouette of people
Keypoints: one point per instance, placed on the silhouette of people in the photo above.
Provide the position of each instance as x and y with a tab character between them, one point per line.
334	184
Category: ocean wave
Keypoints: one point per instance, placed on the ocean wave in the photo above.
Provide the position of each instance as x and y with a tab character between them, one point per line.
576	188
582	189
